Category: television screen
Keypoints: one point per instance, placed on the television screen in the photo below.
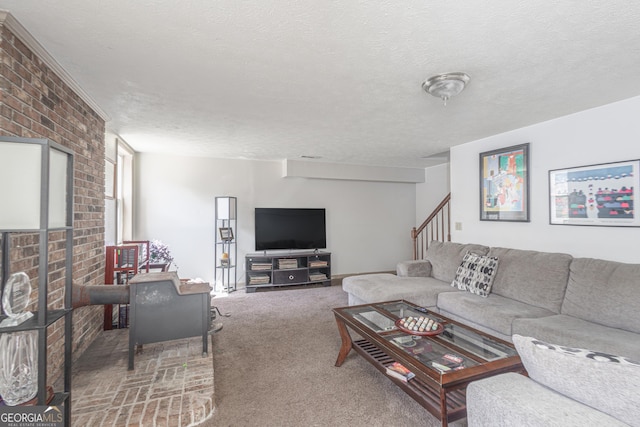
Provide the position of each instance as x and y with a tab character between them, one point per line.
288	228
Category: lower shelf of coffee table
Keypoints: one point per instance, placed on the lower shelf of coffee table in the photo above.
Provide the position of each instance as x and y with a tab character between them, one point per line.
423	393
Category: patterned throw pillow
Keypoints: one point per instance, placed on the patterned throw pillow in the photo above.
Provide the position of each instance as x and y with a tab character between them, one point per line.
475	274
606	382
487	268
466	271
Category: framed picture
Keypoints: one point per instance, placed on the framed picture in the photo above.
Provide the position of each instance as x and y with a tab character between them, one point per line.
504	184
601	195
226	233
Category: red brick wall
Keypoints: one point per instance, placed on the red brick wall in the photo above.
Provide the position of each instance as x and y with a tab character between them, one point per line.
36	103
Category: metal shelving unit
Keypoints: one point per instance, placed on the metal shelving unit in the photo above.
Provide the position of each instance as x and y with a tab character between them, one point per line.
39	202
226	250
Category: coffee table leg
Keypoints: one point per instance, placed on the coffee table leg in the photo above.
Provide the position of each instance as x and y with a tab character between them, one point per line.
346	342
443	407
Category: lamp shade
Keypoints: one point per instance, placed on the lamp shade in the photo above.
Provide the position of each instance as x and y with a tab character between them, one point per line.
57	189
34	173
226	207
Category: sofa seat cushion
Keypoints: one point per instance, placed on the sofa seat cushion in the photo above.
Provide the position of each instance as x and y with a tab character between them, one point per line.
388	287
494	312
573	332
604	292
445	258
608	383
532	277
512	399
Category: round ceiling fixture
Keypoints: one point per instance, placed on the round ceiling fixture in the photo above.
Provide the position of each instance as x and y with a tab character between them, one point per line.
446	85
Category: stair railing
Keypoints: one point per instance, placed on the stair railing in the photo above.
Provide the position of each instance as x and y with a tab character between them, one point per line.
436	227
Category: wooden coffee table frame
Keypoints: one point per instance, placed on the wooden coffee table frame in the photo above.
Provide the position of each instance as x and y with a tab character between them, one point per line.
443	395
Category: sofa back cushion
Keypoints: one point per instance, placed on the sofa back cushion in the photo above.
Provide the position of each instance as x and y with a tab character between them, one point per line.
604	292
445	257
532	277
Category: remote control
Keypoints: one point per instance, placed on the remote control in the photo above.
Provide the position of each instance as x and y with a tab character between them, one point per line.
422	310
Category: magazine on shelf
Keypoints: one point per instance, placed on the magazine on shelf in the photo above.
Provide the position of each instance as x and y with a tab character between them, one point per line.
448	362
261	266
259	279
317	276
398	371
286	264
318	263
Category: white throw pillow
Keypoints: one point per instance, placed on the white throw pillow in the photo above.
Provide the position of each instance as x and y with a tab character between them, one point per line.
608	383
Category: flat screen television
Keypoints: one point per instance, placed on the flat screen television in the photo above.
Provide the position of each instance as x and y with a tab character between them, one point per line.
290	228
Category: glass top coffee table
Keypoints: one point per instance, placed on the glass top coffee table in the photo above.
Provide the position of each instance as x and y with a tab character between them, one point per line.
443	364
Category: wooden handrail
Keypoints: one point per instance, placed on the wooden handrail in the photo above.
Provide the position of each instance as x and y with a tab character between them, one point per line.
437	226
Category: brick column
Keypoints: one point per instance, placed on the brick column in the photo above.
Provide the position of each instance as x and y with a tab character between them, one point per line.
35	102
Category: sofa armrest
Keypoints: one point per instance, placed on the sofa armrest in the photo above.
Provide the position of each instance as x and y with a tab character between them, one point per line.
419	268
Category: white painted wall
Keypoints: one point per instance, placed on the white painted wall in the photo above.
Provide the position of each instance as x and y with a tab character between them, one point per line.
605	134
430	193
368	223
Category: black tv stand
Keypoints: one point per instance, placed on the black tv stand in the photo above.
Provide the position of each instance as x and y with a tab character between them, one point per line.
287	269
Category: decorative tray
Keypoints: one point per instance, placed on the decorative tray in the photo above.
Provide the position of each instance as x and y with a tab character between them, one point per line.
412	325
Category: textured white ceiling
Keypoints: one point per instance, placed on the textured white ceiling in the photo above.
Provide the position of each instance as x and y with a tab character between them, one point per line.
265	79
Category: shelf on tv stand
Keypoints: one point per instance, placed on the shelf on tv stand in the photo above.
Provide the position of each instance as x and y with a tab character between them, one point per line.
265	269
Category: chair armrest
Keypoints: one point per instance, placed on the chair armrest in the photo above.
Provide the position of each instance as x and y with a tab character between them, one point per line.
418	268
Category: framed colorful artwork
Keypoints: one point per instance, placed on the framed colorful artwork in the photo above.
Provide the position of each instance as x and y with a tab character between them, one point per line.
601	195
504	184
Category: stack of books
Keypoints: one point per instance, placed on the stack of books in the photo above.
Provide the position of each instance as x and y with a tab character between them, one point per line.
287	263
398	371
257	266
317	277
259	279
448	362
318	263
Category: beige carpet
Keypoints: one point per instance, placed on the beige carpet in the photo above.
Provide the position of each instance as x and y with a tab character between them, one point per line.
274	366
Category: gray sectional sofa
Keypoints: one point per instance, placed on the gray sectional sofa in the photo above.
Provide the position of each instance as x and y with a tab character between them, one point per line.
577	302
566	387
568	317
535	298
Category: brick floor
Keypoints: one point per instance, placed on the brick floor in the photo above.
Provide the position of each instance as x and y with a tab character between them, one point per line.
171	385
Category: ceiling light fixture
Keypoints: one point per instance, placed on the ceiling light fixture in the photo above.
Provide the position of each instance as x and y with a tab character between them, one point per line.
446	85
